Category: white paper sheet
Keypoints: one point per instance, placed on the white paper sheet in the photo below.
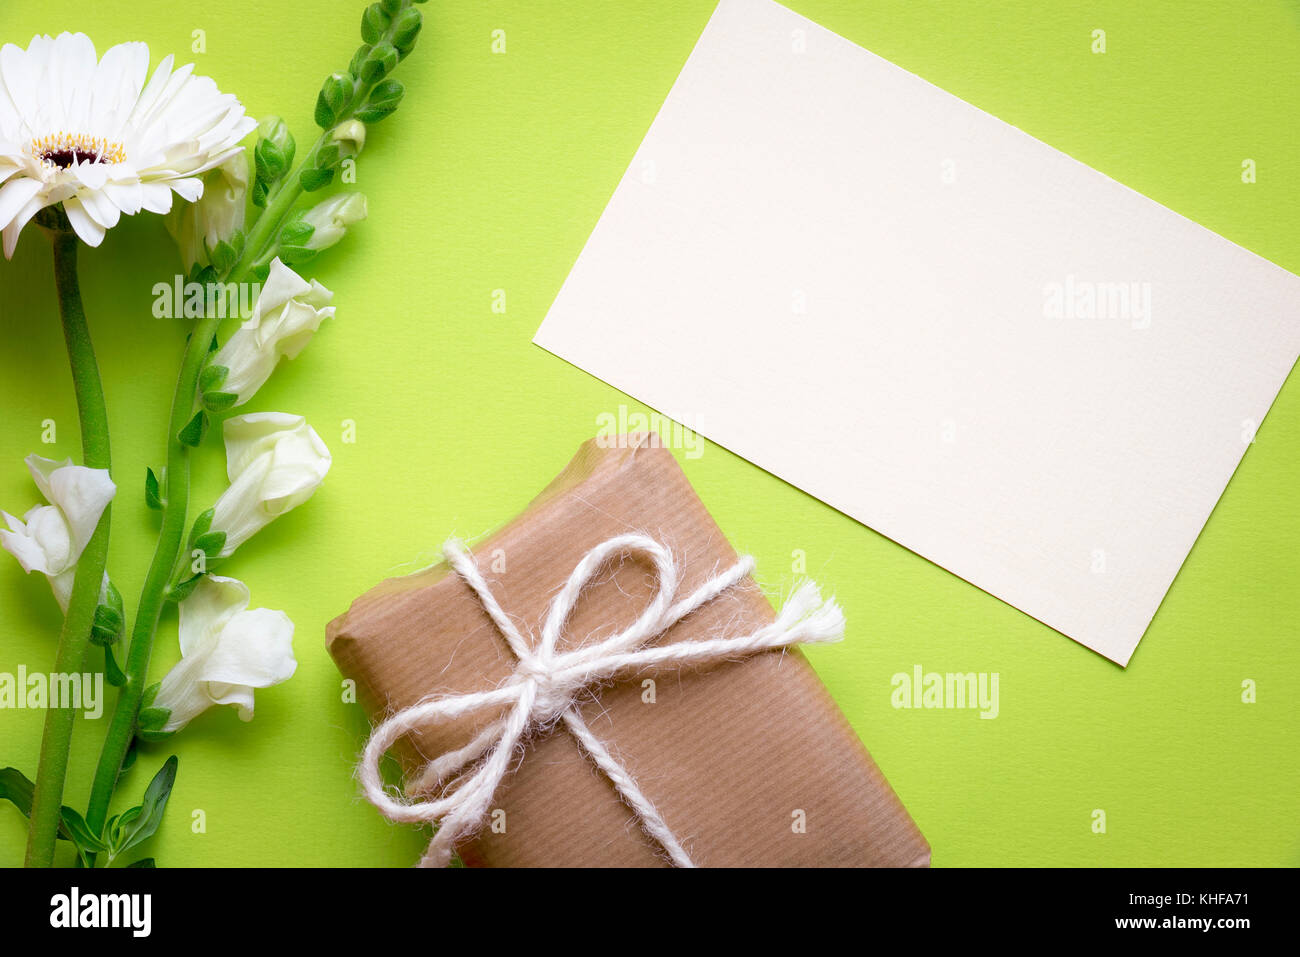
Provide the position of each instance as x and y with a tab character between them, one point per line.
880	293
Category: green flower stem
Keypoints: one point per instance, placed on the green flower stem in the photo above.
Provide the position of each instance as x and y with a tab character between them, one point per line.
176	492
74	638
259	248
171	536
280	201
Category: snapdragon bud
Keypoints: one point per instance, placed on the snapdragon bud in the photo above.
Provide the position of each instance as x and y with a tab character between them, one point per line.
374	22
320	227
345	142
275	148
110	616
379	61
406	27
350	137
335	93
382	101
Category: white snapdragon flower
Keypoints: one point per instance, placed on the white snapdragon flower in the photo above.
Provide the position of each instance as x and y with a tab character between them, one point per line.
288	312
227	650
216	216
103	136
275	462
50	538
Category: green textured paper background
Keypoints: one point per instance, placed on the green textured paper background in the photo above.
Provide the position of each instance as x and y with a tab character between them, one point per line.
491	176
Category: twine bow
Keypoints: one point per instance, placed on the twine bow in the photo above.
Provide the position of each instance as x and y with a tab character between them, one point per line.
544	688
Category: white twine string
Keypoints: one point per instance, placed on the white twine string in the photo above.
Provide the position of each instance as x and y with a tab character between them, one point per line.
546	682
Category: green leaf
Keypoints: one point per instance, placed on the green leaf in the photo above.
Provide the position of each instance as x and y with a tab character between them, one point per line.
269	161
143	862
219	401
201	525
153	737
314	179
273	154
152	807
211	543
153	490
115	830
110	617
296	255
212	378
79	833
223	256
107	625
18	788
296	232
85	839
358	58
152	719
182	590
327	156
194	431
260	191
112	673
132	752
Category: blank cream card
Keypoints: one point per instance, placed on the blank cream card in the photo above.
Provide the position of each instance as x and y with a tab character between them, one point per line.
994	355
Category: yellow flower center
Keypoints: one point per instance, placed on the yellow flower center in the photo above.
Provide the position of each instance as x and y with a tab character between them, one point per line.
61	150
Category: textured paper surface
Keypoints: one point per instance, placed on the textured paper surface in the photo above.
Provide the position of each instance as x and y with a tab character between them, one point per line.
981	348
733	755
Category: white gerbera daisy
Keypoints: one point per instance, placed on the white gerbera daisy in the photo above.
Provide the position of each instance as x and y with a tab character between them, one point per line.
93	135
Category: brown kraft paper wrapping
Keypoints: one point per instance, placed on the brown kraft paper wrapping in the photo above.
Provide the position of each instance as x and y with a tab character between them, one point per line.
729	754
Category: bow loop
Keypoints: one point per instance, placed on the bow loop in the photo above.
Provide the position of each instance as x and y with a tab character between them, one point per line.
584	573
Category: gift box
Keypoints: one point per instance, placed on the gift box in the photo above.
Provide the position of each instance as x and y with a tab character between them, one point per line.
749	761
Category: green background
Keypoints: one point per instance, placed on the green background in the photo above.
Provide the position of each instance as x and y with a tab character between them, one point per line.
491	176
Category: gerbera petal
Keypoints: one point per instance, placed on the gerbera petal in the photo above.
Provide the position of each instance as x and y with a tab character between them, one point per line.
128	197
91	233
149	96
70	78
119	78
101	209
90	175
14	195
20	70
156	197
18	222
